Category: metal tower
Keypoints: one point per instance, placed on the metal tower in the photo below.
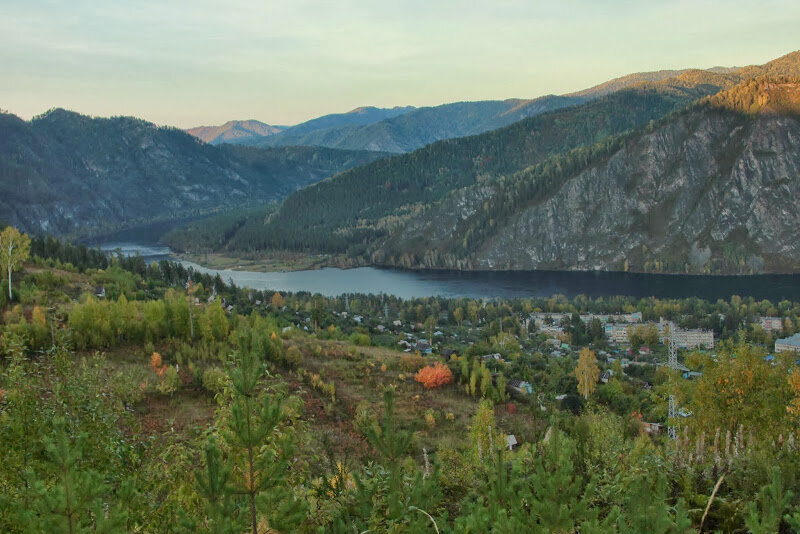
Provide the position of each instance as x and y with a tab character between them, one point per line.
672	363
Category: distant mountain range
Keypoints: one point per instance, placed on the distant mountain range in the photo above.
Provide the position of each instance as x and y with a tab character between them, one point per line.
234	131
404	129
697	172
68	174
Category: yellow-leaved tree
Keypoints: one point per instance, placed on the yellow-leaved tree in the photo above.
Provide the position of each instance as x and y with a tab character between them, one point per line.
587	372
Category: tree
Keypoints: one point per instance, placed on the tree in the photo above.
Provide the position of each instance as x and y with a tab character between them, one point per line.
261	455
587	372
14	249
277	301
458	315
772	500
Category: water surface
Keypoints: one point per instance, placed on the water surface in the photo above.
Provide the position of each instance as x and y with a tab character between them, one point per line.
494	284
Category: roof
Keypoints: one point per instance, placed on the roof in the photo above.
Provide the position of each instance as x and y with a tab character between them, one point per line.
794	341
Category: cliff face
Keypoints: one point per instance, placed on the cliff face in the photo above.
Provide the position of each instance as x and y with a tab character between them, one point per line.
708	190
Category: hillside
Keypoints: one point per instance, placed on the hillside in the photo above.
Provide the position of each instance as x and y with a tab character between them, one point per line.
712	189
66	173
359	207
234	131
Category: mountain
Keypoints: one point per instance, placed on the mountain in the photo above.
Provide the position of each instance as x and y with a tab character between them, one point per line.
306	133
66	173
569	189
235	132
420	127
359	207
711	189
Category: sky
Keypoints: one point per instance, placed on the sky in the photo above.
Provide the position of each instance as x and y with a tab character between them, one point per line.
204	62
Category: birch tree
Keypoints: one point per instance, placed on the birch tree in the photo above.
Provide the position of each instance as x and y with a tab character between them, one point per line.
14	249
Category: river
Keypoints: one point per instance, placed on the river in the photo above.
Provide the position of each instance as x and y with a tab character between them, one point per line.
495	284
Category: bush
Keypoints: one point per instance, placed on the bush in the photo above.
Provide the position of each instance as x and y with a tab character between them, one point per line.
434	376
411	362
214	380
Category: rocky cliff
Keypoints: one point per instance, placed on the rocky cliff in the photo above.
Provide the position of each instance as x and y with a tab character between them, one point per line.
711	189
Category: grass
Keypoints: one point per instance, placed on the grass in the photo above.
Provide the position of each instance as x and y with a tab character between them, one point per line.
265	261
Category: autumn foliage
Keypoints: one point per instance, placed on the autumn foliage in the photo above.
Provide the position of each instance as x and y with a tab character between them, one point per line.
434	376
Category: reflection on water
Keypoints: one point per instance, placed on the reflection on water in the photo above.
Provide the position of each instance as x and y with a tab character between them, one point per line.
408	284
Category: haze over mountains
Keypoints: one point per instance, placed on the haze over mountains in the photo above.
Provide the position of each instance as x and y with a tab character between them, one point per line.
641	178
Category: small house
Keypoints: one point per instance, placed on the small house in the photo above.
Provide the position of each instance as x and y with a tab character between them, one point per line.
511	442
520	386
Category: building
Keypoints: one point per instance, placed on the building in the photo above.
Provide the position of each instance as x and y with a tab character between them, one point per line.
788	344
690	339
686	339
771	324
520	386
617	332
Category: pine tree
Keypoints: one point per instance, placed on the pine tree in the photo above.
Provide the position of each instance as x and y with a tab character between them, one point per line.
260	456
213	486
765	514
392	444
76	502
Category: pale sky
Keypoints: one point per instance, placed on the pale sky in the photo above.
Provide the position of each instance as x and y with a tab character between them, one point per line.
201	62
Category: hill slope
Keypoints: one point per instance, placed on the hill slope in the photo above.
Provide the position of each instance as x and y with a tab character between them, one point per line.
234	131
65	173
712	189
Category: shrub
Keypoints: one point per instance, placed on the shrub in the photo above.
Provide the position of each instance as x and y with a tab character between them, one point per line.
434	376
411	362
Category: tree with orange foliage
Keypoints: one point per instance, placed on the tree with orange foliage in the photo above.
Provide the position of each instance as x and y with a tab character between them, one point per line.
434	376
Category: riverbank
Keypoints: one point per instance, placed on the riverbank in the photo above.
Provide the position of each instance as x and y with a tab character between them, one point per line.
279	262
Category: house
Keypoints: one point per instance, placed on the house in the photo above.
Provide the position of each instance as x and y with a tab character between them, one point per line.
651	428
397	323
423	348
788	344
520	386
99	292
489	357
511	442
606	376
447	352
644	350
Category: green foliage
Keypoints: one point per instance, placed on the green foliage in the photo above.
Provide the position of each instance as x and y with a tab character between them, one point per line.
765	514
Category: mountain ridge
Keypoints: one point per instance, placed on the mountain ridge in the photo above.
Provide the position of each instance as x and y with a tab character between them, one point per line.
66	173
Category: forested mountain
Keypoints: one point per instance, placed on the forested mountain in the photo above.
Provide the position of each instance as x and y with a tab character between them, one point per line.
711	189
235	131
66	173
358	207
415	128
706	188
